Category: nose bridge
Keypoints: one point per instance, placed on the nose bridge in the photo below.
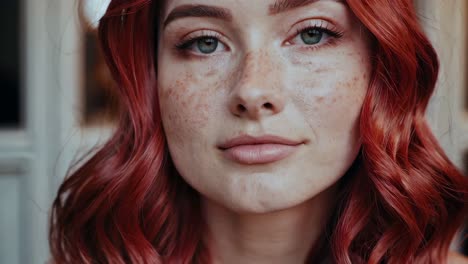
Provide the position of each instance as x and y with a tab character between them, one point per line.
258	89
257	65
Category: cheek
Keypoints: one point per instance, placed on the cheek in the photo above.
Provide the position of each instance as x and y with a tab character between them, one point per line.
331	99
344	106
185	106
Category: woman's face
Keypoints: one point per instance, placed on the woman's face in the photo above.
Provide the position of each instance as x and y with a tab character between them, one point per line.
260	102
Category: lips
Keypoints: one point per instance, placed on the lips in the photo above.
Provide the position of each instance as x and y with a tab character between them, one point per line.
251	150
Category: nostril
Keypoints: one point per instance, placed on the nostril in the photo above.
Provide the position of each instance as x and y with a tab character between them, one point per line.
241	108
268	106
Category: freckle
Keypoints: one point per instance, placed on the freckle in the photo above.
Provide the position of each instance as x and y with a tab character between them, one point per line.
210	72
320	99
321	70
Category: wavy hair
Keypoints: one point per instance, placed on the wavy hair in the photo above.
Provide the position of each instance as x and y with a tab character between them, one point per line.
402	203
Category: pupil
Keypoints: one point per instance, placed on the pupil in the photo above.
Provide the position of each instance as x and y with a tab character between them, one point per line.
207	45
311	36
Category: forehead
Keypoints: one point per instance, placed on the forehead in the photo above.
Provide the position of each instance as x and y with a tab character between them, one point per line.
266	7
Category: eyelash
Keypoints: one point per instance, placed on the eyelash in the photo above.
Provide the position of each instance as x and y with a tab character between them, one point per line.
184	45
331	31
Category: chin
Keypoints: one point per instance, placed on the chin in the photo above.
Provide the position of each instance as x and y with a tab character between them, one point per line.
267	201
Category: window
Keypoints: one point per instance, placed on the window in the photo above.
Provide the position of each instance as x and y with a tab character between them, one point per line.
10	92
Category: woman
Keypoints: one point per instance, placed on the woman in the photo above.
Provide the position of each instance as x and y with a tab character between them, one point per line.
284	131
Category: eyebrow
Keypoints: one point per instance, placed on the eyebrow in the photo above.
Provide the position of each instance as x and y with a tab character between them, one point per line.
199	10
281	6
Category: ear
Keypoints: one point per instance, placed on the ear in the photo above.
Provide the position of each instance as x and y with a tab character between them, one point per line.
93	10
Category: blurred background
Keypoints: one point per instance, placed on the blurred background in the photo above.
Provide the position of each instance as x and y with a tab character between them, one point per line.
56	103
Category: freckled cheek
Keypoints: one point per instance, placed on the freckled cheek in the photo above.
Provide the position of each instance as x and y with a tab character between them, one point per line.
344	111
330	104
185	106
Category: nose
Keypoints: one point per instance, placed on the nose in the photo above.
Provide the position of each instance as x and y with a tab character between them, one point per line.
257	92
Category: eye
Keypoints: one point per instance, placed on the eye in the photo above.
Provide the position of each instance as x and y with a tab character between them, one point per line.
311	36
204	43
315	33
207	45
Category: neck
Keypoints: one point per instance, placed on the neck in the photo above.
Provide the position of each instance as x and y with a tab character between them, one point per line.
284	236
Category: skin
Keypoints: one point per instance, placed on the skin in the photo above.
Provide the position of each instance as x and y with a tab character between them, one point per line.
263	79
456	258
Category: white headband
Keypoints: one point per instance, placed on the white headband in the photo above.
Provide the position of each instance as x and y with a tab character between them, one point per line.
93	10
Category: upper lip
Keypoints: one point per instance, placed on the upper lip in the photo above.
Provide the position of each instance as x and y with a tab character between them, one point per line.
251	140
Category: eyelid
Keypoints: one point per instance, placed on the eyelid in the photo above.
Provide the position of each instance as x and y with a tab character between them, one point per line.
200	33
315	22
204	33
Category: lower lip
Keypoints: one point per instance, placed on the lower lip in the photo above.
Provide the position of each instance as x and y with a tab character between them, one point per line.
259	154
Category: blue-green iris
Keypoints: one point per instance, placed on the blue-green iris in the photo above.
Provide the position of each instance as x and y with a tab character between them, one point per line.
207	45
311	36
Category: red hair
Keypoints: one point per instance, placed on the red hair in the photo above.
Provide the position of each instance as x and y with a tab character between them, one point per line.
401	202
